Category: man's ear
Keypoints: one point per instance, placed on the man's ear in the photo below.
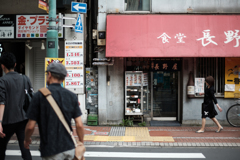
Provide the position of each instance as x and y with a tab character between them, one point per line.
3	67
15	65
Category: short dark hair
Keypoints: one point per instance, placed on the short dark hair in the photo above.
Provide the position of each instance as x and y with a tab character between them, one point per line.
59	77
210	80
8	60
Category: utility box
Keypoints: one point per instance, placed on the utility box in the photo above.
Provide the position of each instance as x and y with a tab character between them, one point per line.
101	38
92	120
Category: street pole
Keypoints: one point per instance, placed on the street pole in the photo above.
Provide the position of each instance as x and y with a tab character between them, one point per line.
52	33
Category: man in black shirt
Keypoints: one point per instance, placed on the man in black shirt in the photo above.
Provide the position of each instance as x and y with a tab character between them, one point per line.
12	116
56	143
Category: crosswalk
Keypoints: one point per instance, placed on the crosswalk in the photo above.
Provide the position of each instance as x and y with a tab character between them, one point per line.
124	155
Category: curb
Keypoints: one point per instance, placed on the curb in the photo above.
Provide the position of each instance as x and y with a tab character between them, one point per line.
146	144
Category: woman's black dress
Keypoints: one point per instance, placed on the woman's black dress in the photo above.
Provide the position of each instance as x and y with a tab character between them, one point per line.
208	109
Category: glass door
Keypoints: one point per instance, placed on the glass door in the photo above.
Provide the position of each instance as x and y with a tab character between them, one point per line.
164	95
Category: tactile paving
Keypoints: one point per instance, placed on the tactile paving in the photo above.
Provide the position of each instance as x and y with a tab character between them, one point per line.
117	131
137	131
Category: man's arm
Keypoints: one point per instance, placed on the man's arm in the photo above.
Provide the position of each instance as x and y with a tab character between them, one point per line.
28	132
79	128
2	107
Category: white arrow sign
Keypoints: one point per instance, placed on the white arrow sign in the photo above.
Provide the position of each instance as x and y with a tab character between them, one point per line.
77	7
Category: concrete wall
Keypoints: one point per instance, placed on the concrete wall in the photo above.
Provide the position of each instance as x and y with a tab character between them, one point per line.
176	6
110	98
20	7
192	107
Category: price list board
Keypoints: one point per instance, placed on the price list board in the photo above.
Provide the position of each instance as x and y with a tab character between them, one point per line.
74	62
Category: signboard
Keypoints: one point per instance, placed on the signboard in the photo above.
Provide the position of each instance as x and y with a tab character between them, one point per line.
79	26
232	76
1	49
199	85
43	4
79	7
7	24
165	65
75	66
33	26
53	60
173	36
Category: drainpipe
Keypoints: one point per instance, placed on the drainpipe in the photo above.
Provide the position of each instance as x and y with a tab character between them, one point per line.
52	33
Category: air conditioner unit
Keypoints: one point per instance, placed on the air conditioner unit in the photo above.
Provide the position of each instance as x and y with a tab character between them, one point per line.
101	38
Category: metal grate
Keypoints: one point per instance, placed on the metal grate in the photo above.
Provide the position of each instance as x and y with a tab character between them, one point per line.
214	67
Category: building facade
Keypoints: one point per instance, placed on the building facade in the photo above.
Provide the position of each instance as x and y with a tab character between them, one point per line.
166	40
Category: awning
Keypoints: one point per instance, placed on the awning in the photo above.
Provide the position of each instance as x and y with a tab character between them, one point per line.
173	36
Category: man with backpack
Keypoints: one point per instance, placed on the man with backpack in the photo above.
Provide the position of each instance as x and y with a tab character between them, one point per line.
55	141
12	115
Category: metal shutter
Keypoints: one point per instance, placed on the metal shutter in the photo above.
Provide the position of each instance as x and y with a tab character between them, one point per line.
38	74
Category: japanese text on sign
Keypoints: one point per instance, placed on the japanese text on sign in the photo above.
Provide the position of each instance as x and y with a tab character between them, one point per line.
33	26
206	39
74	64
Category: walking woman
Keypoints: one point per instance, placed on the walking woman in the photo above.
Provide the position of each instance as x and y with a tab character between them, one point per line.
208	109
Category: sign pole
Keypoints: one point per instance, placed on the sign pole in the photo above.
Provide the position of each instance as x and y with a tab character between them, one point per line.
52	33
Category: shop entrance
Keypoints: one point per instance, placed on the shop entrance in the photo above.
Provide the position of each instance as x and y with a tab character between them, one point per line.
164	93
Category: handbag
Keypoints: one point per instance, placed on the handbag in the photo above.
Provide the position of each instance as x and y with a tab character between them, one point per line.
28	93
79	146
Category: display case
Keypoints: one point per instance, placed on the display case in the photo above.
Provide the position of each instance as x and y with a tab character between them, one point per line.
133	93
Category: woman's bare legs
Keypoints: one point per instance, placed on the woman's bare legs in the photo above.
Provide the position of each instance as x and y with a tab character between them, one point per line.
217	123
203	124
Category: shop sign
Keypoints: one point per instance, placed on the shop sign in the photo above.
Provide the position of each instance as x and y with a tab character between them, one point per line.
53	60
74	65
7	24
166	65
173	36
33	26
43	4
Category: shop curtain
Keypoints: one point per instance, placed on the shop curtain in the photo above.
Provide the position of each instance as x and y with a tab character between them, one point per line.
133	5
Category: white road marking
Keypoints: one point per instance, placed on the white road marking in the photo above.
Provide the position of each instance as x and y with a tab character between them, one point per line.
122	154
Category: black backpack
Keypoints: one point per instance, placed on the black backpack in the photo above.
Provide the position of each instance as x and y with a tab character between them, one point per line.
28	90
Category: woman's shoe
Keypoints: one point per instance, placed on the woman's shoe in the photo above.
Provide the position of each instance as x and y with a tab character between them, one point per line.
218	131
199	131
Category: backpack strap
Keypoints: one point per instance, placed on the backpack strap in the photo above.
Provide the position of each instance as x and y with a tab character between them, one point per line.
57	110
45	91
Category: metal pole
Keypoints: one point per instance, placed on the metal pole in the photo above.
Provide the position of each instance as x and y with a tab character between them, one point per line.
52	33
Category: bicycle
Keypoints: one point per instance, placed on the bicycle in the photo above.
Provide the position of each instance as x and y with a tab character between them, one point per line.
233	112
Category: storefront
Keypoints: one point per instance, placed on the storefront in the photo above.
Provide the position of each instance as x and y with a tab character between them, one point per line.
152	88
167	48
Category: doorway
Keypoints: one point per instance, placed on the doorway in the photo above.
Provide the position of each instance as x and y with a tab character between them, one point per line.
164	95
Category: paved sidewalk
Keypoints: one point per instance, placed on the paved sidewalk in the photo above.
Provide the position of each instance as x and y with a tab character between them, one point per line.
183	136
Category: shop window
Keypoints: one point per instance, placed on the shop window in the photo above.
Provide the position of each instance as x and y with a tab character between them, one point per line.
137	5
214	67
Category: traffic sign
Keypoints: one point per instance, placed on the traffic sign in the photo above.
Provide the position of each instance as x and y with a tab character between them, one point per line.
79	26
79	7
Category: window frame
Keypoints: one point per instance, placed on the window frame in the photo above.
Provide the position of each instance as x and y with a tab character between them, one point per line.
150	10
217	94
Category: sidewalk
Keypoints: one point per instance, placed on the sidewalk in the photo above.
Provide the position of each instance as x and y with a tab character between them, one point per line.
183	136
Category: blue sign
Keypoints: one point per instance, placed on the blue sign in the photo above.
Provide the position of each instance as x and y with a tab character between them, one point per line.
79	26
79	7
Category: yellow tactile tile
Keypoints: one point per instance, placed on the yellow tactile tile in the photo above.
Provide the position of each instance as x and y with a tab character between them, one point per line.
101	138
143	139
115	138
137	131
129	139
89	138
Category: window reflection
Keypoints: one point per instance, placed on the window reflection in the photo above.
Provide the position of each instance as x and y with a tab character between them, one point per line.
137	5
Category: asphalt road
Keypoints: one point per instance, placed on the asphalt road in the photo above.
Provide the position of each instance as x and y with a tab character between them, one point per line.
136	153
